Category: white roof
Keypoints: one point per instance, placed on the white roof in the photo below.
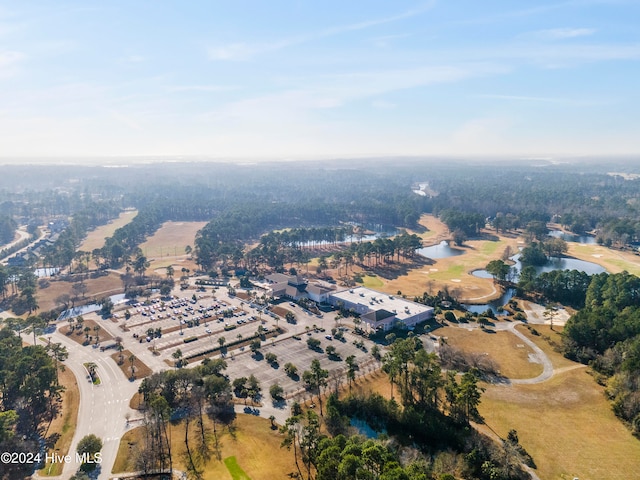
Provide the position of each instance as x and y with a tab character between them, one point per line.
376	300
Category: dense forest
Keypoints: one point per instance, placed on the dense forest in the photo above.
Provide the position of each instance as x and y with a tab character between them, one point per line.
606	334
29	395
427	434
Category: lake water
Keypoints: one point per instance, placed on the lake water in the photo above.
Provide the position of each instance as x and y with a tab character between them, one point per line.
92	307
570	237
364	428
553	264
379	231
442	250
494	305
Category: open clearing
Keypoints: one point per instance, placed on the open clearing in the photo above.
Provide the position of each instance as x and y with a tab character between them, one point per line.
95	238
166	246
615	261
63	427
454	272
97	288
253	443
565	423
504	348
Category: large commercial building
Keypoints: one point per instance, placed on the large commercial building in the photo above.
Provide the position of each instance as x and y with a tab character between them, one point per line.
381	311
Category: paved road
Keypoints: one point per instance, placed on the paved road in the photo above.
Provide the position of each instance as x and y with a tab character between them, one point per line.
540	356
103	407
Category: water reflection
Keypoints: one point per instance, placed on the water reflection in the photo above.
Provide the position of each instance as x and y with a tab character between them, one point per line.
570	237
553	264
442	250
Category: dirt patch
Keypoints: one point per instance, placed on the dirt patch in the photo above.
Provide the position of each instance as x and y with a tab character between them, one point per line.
281	311
140	369
89	337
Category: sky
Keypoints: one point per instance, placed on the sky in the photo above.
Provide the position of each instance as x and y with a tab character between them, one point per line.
309	79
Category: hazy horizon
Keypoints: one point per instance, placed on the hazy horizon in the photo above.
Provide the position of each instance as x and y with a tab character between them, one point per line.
299	81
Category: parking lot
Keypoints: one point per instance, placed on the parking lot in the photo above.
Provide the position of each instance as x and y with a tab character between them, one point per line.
214	314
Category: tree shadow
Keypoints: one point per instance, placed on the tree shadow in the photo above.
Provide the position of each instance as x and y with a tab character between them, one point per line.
393	270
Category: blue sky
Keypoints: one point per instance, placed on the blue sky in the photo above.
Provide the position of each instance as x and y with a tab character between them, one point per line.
297	79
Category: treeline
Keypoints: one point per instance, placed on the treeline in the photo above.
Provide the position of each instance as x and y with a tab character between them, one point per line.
275	252
63	251
579	196
8	228
123	244
568	287
22	282
606	334
189	394
428	434
539	253
383	249
462	224
222	240
29	398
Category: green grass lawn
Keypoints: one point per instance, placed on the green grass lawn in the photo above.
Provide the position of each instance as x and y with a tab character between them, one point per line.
234	469
370	281
488	248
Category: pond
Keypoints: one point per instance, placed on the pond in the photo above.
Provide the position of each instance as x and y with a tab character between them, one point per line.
92	307
570	237
494	305
364	429
375	231
442	250
553	264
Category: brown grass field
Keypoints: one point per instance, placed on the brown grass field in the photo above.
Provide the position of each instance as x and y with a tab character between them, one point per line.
254	444
166	246
454	272
615	261
504	348
95	238
63	427
566	423
97	288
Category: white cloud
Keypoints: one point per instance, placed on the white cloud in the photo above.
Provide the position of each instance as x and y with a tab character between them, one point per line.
560	33
244	50
201	88
483	134
386	40
133	59
383	104
570	101
9	62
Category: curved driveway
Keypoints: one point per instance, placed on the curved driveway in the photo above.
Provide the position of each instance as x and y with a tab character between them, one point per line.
103	408
547	366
